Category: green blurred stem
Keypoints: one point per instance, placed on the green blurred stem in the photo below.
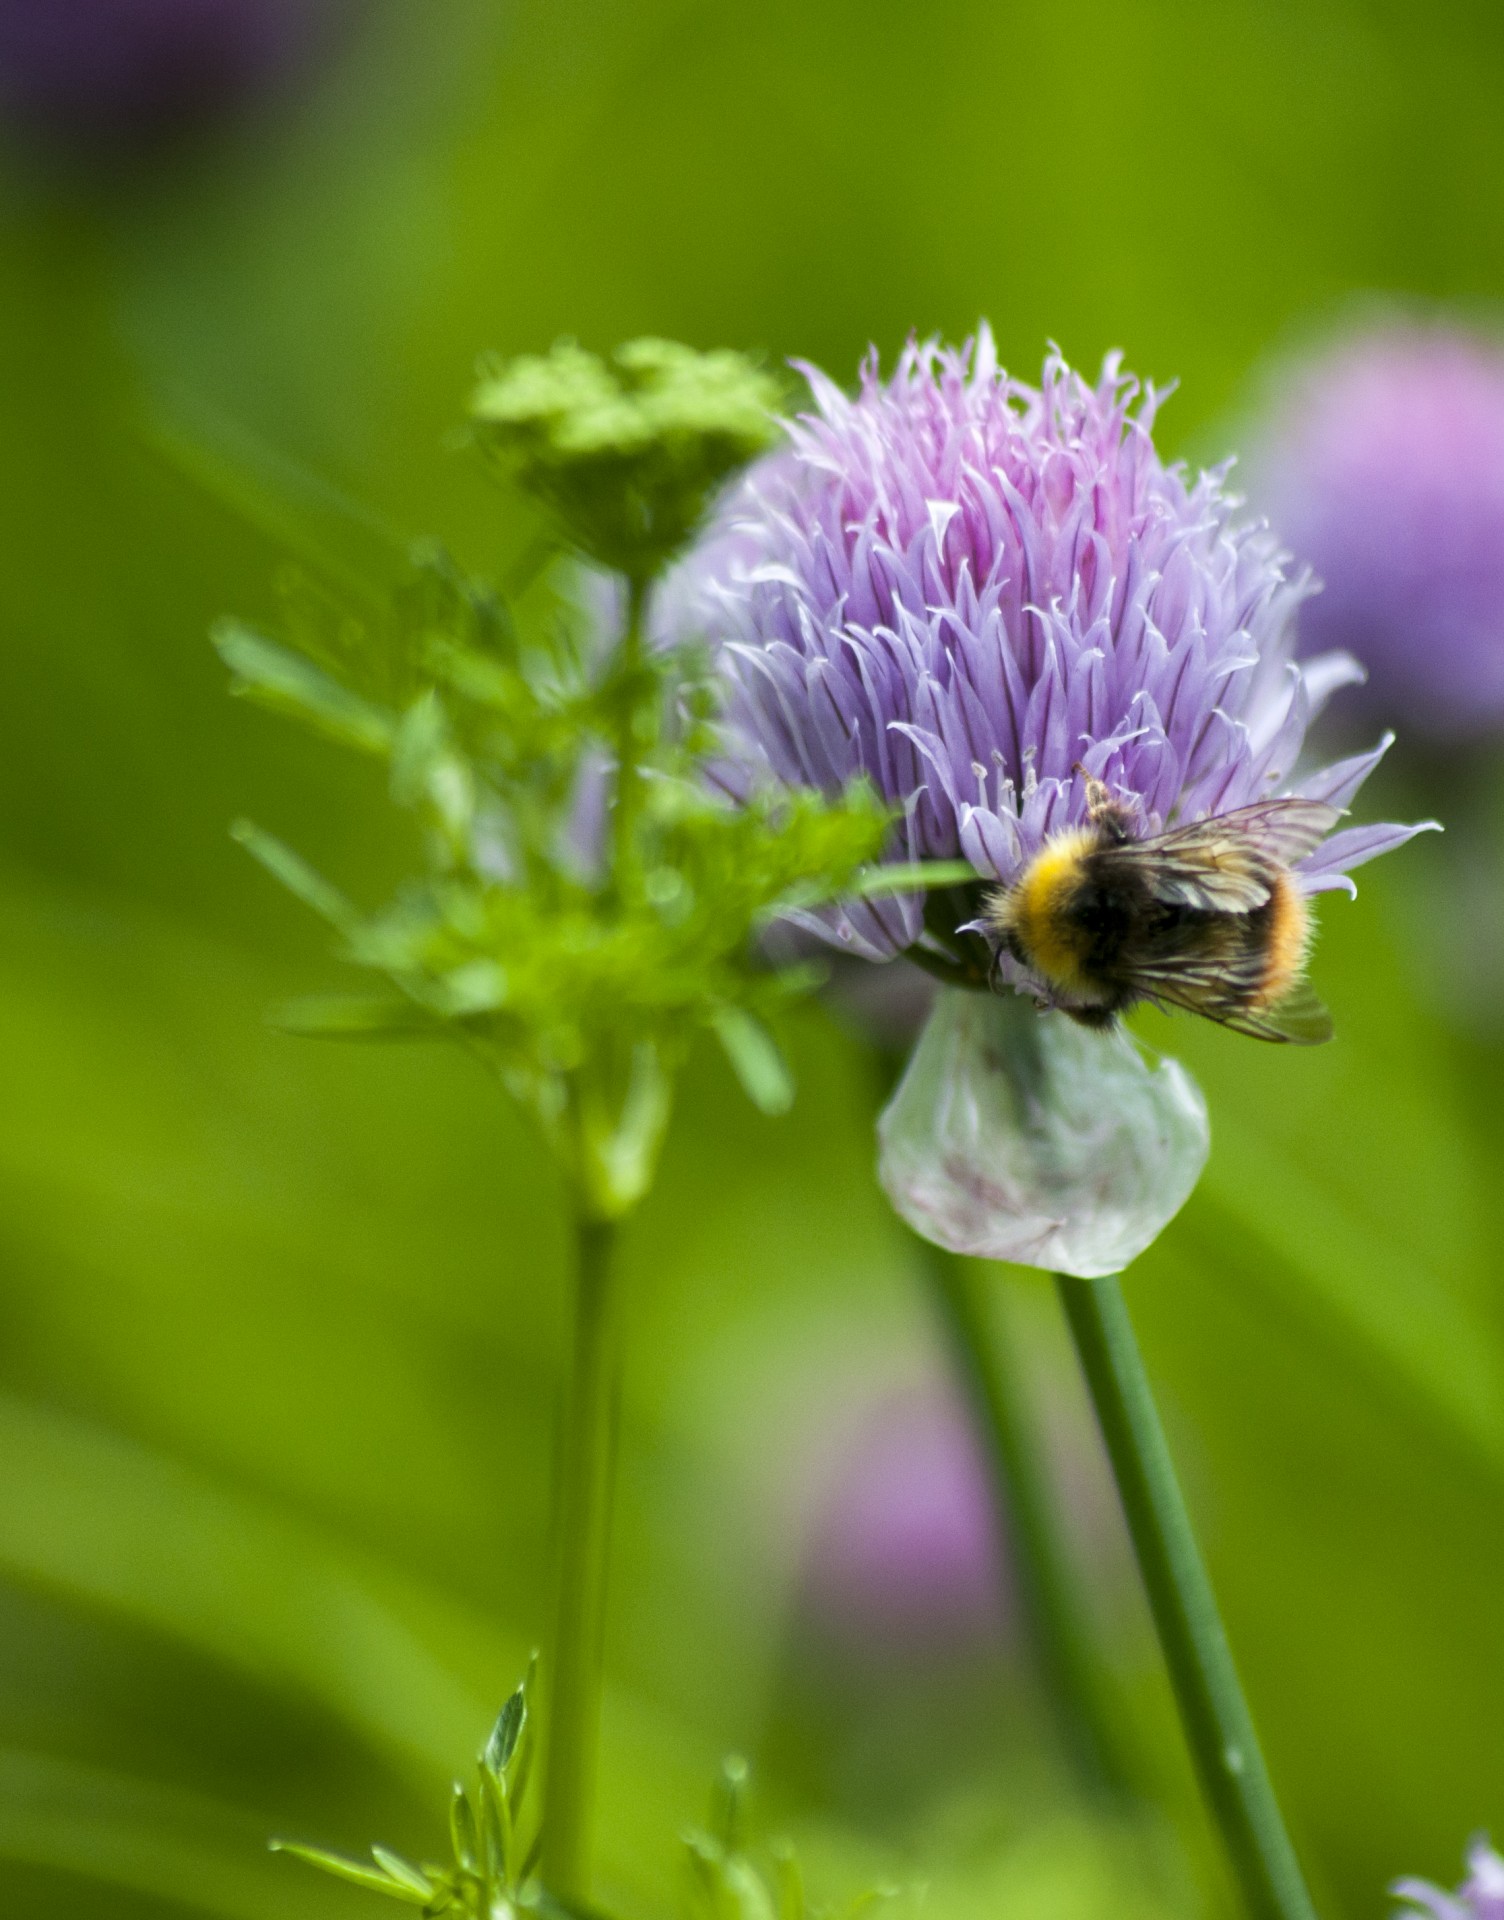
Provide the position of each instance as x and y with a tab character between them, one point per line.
585	1486
1026	1505
628	773
1215	1715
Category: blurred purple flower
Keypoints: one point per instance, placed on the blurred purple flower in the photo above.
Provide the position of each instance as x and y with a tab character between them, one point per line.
1480	1897
904	1551
124	72
961	585
1385	468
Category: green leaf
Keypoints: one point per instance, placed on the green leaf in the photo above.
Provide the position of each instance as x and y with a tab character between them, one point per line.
296	875
284	681
495	1826
506	1733
730	1793
756	1059
792	1904
463	1832
404	1871
920	877
340	1016
478	987
355	1871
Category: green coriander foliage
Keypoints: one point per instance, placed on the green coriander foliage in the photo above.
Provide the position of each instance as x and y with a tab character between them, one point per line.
493	1840
589	897
627	452
727	1882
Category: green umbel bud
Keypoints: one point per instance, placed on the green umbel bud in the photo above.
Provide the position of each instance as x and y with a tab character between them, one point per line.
626	452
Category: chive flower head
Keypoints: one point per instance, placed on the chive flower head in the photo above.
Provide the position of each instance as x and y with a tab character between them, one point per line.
965	587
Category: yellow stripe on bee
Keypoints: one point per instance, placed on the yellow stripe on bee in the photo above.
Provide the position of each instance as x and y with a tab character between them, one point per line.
1036	909
1289	938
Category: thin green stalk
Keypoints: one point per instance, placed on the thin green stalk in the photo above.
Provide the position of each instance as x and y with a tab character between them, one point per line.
585	1485
1215	1715
1025	1504
628	772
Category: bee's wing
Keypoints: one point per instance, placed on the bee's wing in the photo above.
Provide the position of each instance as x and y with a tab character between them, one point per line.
1223	864
1298	1018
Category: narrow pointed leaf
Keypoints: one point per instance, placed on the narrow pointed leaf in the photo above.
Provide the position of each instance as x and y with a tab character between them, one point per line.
338	1016
355	1871
756	1059
284	681
404	1871
920	877
506	1733
463	1832
296	875
495	1826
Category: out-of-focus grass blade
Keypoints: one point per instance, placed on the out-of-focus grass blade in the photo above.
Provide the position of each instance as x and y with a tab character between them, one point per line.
153	1840
299	511
1434	1345
93	1516
344	1016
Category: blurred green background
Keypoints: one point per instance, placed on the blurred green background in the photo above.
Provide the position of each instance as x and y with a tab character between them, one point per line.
281	1328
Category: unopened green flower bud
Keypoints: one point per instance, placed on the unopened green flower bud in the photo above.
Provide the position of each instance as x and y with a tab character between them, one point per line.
626	452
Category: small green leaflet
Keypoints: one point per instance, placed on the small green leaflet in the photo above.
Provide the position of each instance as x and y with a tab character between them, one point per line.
276	677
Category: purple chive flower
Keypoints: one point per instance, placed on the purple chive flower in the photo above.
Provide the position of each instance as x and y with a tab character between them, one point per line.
961	586
1385	468
125	72
1480	1897
904	1550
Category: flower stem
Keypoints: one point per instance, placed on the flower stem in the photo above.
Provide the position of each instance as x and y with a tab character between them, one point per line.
585	1484
628	773
1212	1708
1025	1508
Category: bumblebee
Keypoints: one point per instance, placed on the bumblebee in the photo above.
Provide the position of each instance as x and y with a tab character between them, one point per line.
1206	917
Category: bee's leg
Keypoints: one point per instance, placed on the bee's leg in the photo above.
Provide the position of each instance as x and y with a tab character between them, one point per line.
1096	1018
1099	801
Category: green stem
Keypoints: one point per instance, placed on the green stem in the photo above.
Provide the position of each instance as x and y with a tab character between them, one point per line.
585	1483
1025	1505
1215	1715
628	772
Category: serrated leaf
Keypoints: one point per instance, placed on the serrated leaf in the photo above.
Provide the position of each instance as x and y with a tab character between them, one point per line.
296	875
355	1871
338	1016
756	1060
284	681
